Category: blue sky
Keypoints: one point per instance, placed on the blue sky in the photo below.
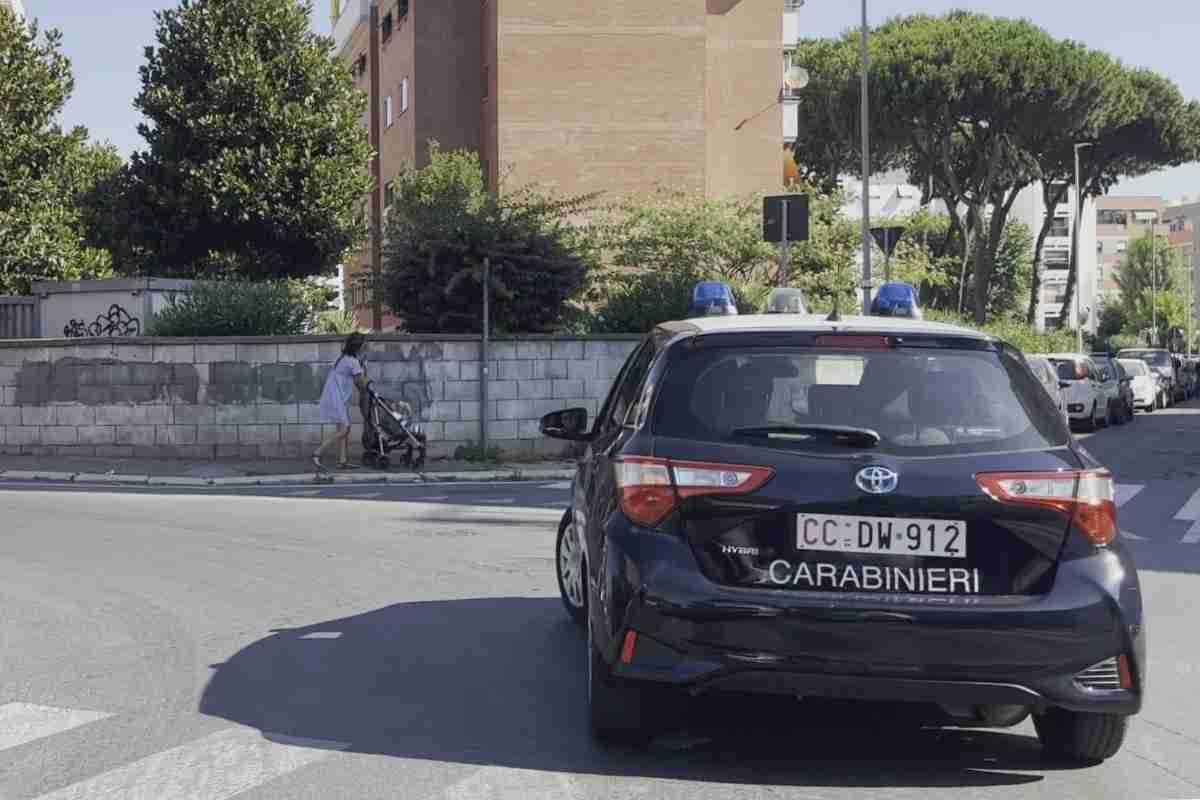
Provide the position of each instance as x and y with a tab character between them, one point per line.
105	41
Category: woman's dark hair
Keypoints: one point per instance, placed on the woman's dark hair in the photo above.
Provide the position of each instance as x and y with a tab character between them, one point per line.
354	344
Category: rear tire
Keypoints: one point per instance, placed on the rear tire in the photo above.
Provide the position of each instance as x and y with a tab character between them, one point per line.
1080	737
624	713
570	565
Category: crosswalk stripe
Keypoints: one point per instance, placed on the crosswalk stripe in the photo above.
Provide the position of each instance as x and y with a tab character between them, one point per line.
1193	534
215	767
21	723
1191	509
1124	492
511	783
562	485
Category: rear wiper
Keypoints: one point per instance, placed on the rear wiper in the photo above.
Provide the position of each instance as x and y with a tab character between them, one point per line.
841	434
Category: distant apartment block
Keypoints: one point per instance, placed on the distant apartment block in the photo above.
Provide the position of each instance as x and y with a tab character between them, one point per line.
603	96
1183	232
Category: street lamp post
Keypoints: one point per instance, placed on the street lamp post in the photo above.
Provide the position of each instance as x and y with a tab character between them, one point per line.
866	173
1154	281
1075	249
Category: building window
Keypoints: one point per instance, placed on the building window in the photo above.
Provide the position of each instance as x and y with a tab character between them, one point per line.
385	27
1059	227
1056	258
359	67
1099	248
1111	216
404	95
402	9
388	119
1122	246
1145	217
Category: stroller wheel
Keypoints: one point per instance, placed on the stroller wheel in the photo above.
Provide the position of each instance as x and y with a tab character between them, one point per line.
370	458
383	462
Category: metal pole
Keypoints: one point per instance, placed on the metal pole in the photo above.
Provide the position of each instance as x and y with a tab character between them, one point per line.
866	172
783	253
377	174
887	254
483	361
1079	282
1154	282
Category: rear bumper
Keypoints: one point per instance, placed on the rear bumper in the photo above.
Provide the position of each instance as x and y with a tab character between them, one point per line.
953	651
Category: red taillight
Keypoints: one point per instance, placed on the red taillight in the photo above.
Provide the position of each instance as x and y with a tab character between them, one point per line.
1085	495
627	647
855	342
1125	677
650	488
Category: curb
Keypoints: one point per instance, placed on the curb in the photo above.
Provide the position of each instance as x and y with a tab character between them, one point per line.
481	476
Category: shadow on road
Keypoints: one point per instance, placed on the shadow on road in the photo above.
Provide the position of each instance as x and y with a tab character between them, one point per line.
500	682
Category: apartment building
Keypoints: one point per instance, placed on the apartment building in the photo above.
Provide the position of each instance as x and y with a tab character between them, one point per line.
1182	220
605	96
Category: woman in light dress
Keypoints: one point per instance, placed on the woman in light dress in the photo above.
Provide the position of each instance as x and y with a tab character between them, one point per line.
347	373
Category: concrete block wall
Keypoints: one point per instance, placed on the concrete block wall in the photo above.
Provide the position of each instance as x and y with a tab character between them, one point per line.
252	398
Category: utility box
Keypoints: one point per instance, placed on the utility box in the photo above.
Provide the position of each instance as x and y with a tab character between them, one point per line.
106	308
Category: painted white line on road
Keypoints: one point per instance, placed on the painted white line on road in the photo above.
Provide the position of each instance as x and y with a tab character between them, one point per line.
1193	534
323	635
1133	536
564	485
361	496
24	722
1191	509
508	783
1124	492
304	493
216	767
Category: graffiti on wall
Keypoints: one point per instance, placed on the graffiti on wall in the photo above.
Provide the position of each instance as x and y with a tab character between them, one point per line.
115	322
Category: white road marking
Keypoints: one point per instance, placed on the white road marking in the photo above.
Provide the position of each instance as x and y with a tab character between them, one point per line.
322	635
21	723
305	493
1132	536
565	485
1191	509
215	767
1124	492
507	783
1193	534
364	496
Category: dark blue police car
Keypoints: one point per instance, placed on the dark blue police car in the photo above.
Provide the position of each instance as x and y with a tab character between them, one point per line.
871	508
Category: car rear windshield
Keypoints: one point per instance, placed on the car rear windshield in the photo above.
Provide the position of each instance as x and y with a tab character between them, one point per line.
1067	370
1155	357
918	401
1134	367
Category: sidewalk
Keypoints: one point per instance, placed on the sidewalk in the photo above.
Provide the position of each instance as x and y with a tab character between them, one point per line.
250	473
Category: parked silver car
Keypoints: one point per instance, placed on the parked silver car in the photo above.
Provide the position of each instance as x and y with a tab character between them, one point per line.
1047	376
1143	382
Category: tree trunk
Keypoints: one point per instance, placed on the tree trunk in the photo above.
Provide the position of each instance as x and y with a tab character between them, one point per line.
985	257
969	238
1052	203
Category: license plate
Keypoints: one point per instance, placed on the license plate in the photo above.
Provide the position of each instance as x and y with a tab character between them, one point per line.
889	536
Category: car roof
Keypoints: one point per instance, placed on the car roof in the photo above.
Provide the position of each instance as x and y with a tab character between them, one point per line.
1068	357
818	323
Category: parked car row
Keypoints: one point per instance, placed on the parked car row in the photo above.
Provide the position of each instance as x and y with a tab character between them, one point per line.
1097	389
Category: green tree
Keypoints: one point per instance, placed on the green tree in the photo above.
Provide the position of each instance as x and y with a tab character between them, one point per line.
256	158
444	224
980	122
43	170
1149	263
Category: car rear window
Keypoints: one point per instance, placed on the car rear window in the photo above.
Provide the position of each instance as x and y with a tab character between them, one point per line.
1134	367
1067	370
1156	357
919	401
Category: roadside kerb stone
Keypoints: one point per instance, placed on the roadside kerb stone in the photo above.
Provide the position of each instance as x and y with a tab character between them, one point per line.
104	477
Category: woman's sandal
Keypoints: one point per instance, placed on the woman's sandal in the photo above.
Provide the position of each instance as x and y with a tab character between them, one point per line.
317	463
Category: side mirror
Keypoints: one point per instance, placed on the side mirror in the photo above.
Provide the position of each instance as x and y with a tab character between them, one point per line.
570	424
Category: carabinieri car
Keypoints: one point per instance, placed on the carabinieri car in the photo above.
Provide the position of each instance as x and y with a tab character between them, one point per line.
867	508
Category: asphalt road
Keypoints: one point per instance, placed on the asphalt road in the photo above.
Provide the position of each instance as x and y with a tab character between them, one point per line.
407	642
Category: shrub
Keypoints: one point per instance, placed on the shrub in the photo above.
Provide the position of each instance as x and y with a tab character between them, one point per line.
333	321
234	308
1016	332
644	301
444	224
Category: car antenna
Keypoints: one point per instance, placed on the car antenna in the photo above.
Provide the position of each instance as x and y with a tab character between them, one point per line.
833	315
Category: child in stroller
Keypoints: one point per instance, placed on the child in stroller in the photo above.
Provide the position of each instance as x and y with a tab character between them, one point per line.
389	425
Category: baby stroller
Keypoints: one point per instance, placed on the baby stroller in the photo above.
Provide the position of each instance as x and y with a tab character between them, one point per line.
389	425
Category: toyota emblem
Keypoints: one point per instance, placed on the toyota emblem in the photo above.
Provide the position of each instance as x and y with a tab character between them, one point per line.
877	480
